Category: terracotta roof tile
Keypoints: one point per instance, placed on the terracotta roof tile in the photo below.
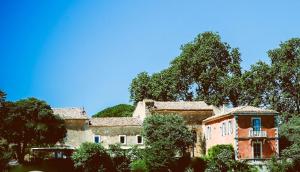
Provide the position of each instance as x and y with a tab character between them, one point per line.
70	113
115	121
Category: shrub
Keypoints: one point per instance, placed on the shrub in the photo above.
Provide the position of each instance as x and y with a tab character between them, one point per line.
5	154
198	164
119	157
215	151
91	157
138	166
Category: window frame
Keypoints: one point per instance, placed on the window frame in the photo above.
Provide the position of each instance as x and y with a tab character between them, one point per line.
99	138
230	127
254	118
125	139
137	140
261	150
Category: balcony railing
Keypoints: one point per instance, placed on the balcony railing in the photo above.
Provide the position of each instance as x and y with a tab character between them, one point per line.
257	133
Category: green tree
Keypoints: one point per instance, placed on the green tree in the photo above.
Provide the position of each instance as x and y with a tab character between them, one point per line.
5	154
221	158
166	138
92	157
258	87
286	65
120	158
291	131
140	87
121	110
30	122
206	62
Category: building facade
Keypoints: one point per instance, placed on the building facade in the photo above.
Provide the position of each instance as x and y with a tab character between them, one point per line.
252	131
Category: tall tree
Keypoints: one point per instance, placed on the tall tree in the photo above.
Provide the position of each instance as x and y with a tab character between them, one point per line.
258	87
30	122
140	87
206	62
286	64
166	137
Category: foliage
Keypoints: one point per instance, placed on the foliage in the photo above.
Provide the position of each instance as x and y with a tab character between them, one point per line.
198	164
140	87
91	157
286	66
221	158
212	65
138	166
277	165
291	131
121	110
5	154
120	158
30	122
166	137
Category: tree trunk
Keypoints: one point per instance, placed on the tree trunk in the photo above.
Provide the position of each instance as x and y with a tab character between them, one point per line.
20	152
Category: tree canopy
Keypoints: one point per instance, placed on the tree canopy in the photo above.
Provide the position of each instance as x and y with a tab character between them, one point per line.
198	73
121	110
30	122
166	137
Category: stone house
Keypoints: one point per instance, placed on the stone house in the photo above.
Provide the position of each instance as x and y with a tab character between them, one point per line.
252	131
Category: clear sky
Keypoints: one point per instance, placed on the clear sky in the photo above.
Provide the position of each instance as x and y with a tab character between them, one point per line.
86	52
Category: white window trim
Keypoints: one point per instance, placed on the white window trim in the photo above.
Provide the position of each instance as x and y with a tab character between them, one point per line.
256	118
261	150
230	127
99	138
137	140
125	139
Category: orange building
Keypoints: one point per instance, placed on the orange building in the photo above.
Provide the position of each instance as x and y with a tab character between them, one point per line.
252	131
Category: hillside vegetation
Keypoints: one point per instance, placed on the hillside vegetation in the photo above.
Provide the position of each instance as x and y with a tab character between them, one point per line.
121	110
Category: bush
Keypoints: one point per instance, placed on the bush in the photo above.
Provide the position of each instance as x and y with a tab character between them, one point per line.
138	166
5	154
119	157
182	163
215	151
198	164
91	157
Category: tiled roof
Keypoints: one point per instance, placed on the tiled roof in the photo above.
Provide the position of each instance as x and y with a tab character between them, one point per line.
242	110
182	105
70	113
115	121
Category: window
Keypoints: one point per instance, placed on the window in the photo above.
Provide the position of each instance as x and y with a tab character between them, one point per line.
139	139
223	129
208	132
97	139
257	146
122	139
230	129
256	124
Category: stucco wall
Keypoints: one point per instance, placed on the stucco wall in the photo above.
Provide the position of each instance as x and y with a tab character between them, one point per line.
246	149
215	137
245	123
110	135
269	143
77	132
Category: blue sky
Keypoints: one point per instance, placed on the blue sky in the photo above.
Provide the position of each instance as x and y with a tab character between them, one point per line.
85	53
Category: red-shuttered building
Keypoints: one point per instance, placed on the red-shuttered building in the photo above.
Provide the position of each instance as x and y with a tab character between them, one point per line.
252	131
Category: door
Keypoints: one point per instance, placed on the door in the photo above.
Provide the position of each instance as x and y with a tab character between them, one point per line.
257	146
256	126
